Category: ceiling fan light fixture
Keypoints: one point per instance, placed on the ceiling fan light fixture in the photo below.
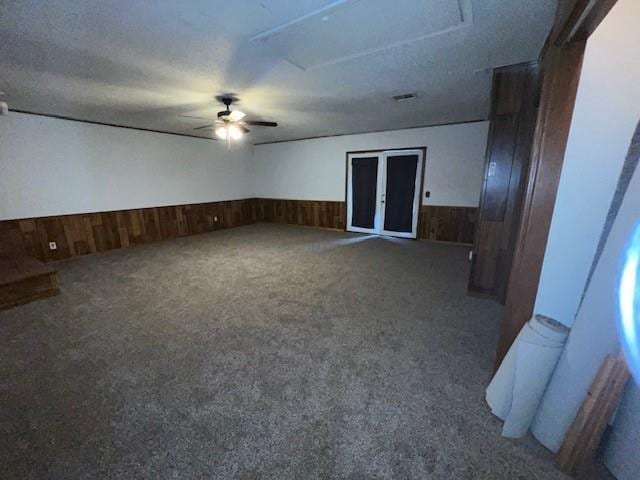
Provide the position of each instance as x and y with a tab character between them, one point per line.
230	123
234	132
221	133
236	115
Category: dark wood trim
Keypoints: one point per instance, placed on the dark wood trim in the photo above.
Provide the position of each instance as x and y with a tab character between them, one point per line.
282	199
578	19
114	125
374	131
576	455
380	150
561	72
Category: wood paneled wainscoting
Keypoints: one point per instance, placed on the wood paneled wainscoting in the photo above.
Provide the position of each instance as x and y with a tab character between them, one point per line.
439	223
310	213
84	233
448	224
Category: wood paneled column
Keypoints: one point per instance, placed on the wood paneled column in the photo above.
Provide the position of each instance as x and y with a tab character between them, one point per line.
515	98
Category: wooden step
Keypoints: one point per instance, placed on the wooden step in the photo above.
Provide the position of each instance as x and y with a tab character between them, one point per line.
25	279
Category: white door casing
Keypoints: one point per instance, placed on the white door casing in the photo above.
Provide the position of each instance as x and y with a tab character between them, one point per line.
381	188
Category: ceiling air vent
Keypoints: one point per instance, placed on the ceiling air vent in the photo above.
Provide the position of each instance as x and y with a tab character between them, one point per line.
404	97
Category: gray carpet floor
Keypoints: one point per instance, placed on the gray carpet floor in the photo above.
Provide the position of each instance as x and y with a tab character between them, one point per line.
266	351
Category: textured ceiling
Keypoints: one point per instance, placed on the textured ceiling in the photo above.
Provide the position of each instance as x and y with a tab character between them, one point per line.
315	67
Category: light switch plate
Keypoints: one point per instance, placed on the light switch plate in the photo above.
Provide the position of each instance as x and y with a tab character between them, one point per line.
53	246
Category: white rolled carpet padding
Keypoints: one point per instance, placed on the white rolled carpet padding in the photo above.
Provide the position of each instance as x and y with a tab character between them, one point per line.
516	389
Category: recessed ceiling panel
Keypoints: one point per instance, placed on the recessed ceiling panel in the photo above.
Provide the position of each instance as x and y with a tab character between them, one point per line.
348	29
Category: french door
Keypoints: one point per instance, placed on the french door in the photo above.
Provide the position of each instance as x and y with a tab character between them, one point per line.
383	192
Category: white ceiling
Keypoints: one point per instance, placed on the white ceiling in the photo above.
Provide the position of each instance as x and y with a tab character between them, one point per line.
316	67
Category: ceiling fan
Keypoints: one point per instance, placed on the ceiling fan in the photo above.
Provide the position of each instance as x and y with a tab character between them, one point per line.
230	124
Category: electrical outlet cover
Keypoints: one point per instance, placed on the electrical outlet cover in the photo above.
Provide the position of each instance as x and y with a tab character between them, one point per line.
53	246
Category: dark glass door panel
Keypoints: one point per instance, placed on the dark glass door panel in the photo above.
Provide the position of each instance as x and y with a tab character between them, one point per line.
400	193
364	181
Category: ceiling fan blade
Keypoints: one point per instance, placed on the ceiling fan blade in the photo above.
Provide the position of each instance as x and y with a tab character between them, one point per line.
194	117
260	124
244	129
203	127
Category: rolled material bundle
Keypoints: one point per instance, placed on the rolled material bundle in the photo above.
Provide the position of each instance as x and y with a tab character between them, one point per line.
516	389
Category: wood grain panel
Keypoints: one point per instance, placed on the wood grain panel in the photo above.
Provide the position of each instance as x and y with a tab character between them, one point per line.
23	280
311	213
514	108
504	133
585	434
86	233
28	290
447	224
439	223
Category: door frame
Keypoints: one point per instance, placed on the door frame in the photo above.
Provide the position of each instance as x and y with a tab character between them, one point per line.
417	215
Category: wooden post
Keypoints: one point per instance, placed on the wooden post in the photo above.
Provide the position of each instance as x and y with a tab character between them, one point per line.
584	435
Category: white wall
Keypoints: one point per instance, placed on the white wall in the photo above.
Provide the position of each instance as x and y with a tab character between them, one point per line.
53	167
594	334
606	112
56	167
315	169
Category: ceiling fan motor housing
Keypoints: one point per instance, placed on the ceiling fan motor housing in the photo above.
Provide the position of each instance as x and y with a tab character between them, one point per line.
227	102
